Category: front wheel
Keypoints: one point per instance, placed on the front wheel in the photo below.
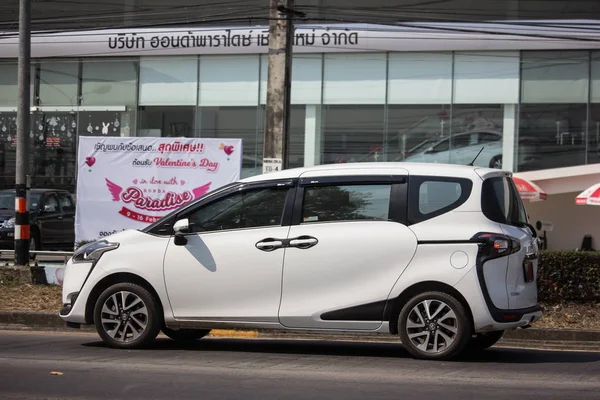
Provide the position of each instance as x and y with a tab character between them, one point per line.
434	326
126	316
34	244
185	335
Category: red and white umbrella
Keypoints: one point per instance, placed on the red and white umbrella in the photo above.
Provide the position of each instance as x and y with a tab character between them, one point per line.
529	190
590	196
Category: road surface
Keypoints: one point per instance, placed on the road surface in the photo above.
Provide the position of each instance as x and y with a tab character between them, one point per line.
280	369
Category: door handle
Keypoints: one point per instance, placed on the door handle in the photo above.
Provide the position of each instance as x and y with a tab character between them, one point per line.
303	242
269	244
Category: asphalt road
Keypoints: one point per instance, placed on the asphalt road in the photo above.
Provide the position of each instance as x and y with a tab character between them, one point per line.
280	369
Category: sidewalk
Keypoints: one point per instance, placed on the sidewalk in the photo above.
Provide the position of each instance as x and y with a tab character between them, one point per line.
554	339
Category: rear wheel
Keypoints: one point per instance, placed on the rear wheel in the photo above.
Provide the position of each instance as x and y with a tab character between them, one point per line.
496	162
185	335
126	316
485	340
434	326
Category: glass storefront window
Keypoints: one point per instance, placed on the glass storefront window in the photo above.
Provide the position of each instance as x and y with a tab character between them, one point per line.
165	121
353	133
59	83
476	127
235	123
296	135
551	136
53	141
171	81
8	131
108	98
109	83
8	84
413	130
593	156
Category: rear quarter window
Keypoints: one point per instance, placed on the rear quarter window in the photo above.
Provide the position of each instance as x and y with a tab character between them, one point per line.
432	196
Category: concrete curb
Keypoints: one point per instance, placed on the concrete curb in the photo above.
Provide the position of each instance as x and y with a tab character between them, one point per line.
31	320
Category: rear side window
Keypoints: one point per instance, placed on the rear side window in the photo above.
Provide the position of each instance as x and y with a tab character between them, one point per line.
346	203
431	196
500	202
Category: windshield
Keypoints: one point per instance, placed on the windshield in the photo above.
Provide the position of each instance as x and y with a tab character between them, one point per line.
500	202
7	201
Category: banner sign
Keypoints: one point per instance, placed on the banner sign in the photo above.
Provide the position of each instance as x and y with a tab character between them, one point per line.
306	39
129	183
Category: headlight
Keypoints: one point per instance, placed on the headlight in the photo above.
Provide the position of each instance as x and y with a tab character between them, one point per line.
93	251
9	223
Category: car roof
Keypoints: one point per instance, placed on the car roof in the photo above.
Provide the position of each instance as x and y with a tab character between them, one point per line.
378	168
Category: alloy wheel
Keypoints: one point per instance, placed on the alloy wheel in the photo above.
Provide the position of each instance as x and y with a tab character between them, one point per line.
124	316
432	326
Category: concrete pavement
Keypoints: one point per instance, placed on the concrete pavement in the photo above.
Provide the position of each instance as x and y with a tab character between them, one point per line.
266	369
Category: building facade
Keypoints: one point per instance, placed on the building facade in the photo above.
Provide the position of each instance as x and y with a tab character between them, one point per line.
527	94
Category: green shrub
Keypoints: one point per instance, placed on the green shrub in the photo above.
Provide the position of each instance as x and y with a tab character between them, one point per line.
569	276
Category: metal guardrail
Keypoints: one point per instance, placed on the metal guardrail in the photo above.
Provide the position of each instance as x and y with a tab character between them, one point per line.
66	255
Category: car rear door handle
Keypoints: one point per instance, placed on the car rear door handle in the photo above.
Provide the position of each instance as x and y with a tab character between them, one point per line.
269	244
303	242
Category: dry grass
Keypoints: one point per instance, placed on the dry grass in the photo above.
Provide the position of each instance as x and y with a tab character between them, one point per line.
48	298
571	316
30	298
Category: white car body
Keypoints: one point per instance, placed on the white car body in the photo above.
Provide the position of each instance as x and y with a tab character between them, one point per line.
347	275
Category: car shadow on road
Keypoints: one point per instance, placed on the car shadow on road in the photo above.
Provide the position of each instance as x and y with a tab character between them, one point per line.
362	349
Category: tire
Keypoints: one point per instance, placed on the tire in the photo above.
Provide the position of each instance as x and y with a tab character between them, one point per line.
136	326
185	335
437	334
496	162
34	244
484	341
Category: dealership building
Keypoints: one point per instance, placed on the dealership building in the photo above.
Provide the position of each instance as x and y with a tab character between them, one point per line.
527	93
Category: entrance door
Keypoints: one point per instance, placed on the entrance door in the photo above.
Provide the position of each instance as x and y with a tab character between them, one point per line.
345	253
231	267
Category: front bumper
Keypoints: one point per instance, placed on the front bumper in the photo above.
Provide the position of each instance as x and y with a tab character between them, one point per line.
77	286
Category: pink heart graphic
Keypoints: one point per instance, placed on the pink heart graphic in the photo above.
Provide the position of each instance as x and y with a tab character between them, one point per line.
228	150
135	181
182	183
90	161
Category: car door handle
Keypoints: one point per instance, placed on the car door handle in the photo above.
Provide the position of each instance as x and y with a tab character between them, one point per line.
303	242
269	244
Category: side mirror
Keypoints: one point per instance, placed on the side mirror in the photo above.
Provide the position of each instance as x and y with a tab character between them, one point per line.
49	208
181	228
429	150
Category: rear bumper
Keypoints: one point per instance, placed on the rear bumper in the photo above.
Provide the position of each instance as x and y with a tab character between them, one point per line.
488	319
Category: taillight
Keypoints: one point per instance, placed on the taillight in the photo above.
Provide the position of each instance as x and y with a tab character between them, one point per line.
494	245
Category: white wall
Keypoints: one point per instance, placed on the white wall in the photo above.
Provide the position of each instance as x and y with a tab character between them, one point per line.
571	222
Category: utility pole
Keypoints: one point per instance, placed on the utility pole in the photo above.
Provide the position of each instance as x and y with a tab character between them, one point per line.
22	150
276	136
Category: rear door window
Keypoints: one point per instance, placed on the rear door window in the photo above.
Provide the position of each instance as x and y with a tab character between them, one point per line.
346	203
431	196
500	202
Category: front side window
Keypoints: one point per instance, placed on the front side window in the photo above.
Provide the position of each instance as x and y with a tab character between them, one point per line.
500	202
66	203
241	210
51	201
346	203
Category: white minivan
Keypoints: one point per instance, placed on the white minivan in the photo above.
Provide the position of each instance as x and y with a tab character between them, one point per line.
441	255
